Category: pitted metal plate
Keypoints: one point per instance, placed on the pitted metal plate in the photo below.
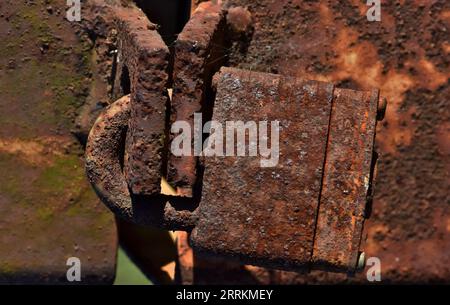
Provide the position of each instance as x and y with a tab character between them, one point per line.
266	215
199	53
347	178
145	56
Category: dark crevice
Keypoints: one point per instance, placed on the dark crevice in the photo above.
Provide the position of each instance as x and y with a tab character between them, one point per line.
170	15
112	77
369	203
125	82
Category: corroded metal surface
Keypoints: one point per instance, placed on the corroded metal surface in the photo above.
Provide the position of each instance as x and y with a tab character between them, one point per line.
347	179
143	55
199	52
266	215
405	55
104	155
275	207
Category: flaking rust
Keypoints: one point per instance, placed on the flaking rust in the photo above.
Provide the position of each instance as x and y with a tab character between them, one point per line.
104	155
199	53
305	211
347	179
266	215
143	54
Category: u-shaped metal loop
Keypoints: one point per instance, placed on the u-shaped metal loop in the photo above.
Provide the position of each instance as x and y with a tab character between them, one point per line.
104	168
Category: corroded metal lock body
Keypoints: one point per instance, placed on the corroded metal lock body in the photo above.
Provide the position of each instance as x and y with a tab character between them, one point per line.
304	212
310	207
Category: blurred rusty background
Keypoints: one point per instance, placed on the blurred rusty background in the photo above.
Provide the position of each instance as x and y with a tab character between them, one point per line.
406	55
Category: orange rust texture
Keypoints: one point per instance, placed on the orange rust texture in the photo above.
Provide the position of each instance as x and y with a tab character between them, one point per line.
268	213
196	3
406	56
346	179
198	55
145	55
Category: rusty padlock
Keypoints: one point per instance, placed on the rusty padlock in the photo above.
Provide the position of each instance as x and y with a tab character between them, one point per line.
305	212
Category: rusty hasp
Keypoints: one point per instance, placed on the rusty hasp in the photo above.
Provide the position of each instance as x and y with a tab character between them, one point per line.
199	53
292	197
144	58
104	156
297	205
142	71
